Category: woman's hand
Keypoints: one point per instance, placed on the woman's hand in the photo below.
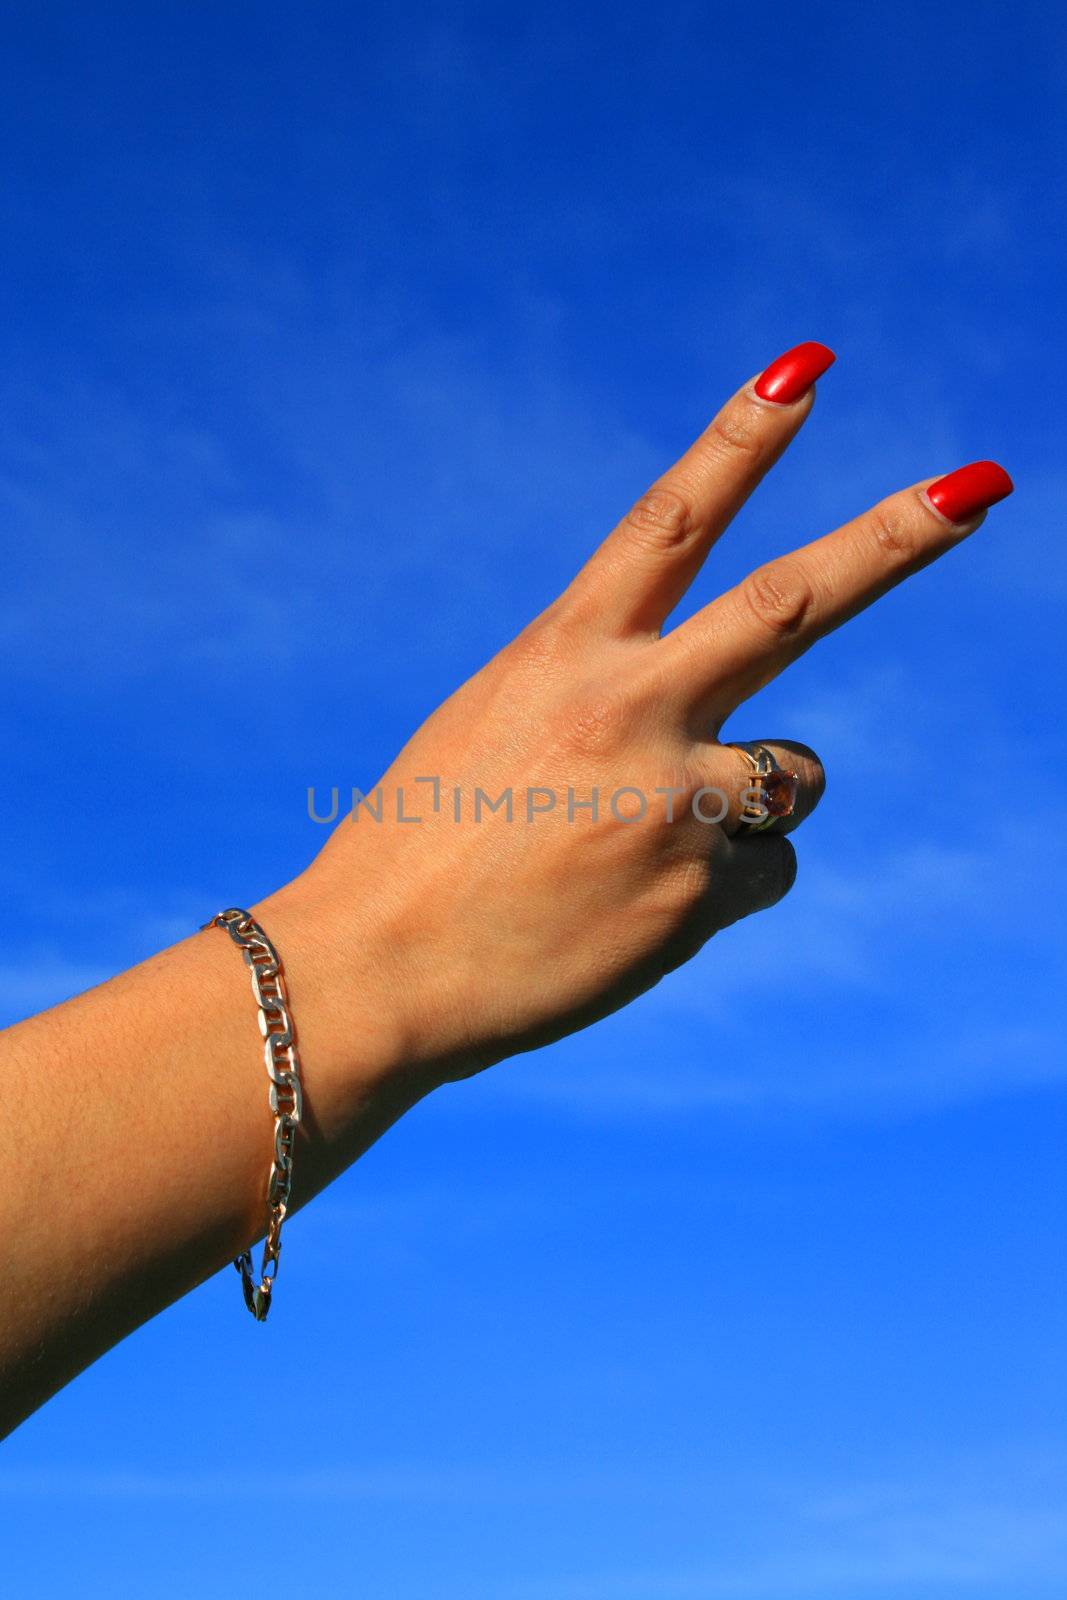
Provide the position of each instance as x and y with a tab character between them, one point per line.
419	952
482	933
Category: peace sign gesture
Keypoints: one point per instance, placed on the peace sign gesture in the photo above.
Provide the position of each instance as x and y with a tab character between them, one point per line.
561	832
579	830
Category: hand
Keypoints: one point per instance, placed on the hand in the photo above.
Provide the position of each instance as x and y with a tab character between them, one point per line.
420	952
488	935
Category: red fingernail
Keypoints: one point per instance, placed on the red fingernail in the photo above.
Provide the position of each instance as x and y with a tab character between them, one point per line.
963	493
793	374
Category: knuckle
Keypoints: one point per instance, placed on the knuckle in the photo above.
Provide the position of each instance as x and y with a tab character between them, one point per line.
549	639
781	596
735	432
534	649
661	518
894	533
595	724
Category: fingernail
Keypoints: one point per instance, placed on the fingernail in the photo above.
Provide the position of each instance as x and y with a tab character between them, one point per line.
963	493
793	374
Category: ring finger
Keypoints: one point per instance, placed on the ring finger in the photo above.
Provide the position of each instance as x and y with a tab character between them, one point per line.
795	783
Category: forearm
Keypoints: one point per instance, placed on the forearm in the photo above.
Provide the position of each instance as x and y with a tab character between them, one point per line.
140	1137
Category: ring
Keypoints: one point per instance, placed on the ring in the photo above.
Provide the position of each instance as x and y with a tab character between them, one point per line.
777	789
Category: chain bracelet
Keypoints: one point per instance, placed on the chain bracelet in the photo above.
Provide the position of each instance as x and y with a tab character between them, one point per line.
283	1069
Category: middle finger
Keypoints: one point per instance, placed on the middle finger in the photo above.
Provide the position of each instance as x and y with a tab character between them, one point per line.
746	637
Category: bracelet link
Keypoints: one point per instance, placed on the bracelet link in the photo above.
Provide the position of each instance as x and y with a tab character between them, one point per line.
285	1094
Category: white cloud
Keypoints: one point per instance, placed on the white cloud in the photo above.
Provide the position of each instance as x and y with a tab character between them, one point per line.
921	1534
35	983
959	1528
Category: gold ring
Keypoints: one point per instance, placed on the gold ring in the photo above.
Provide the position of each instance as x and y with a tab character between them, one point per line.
772	793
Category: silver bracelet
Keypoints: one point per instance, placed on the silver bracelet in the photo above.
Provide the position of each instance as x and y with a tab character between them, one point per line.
286	1100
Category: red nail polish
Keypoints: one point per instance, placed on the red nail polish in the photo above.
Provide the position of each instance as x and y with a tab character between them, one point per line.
963	493
793	374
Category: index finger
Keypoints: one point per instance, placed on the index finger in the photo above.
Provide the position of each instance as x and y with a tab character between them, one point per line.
644	566
745	638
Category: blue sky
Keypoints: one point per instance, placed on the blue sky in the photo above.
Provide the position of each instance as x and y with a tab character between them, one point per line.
333	339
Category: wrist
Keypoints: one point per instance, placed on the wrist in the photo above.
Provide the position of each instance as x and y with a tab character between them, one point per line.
361	1065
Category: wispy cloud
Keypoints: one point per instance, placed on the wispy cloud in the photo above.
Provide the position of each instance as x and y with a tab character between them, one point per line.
860	1078
862	987
146	546
960	1549
1003	1524
35	983
109	928
859	1539
375	1484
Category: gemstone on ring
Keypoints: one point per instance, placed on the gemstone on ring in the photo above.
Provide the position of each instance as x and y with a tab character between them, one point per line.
779	790
775	787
